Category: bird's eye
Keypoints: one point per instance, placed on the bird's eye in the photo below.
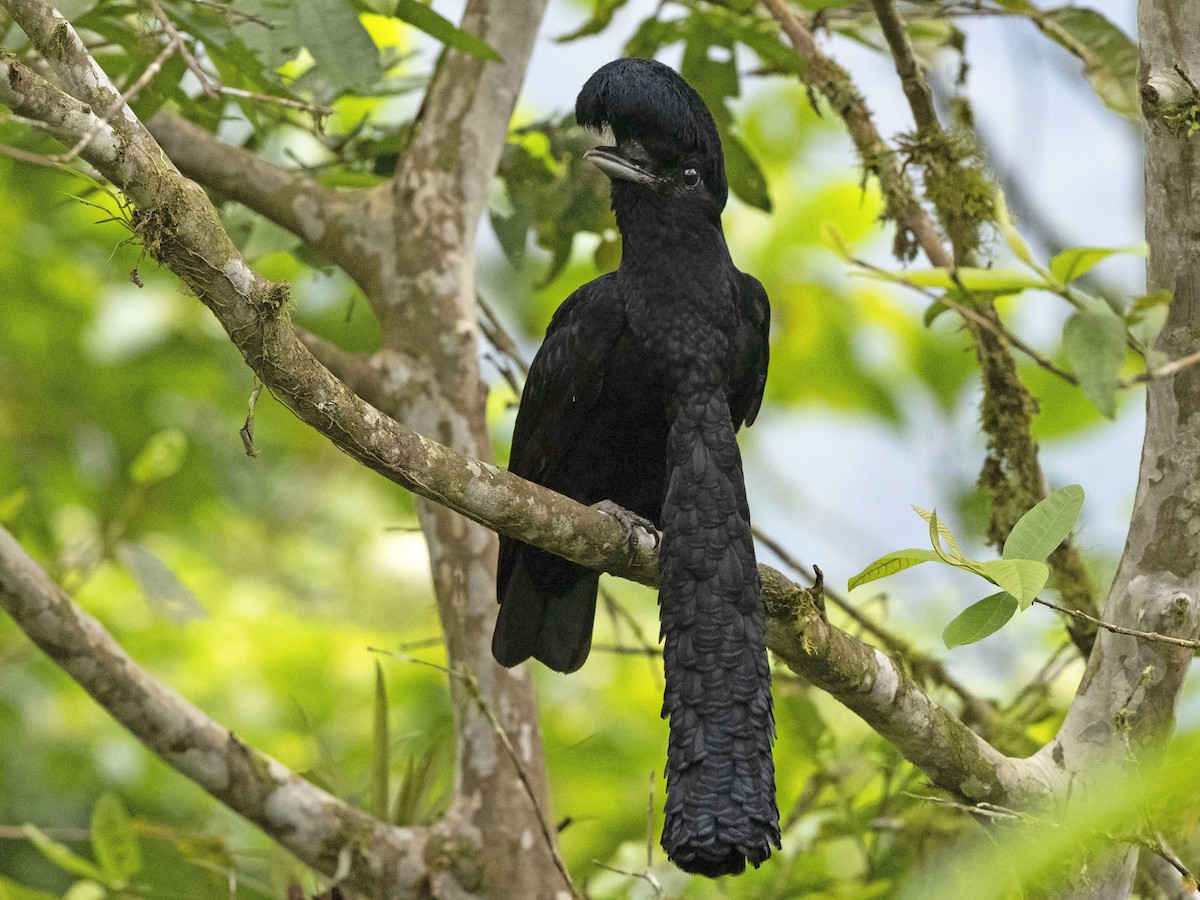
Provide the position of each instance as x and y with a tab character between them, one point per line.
691	177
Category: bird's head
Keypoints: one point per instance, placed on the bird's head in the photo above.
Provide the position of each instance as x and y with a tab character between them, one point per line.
666	143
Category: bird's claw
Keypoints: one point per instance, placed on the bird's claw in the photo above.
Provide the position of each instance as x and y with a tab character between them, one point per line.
630	521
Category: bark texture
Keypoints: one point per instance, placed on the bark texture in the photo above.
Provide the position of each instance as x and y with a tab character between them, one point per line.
1124	710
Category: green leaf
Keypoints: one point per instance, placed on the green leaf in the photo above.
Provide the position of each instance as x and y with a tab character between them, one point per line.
746	179
1109	56
418	15
61	855
10	890
890	564
165	593
160	458
1094	343
602	14
1075	262
1023	578
1008	229
942	529
932	312
338	42
380	749
114	843
1047	525
980	619
412	795
1143	302
994	281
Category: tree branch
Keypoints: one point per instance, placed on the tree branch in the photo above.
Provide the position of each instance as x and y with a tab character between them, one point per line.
289	198
321	830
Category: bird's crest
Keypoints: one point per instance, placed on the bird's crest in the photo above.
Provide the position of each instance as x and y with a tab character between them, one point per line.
648	102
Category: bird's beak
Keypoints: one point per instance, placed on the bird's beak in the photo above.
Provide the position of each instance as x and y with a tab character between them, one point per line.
609	161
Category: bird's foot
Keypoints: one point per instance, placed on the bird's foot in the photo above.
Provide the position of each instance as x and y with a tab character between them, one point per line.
631	522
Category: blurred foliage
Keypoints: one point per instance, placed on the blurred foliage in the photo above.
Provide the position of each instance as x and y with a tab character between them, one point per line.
256	586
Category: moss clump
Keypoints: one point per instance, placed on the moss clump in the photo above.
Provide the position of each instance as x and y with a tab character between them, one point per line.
1183	118
957	185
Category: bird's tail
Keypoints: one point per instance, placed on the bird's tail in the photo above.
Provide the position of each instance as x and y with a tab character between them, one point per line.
547	608
720	809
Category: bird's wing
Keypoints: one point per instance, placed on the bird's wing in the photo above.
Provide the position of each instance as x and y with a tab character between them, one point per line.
566	378
754	349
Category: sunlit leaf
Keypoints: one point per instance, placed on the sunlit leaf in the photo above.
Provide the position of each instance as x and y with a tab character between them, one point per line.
1047	525
980	619
1023	578
942	529
994	281
1077	261
1094	344
890	564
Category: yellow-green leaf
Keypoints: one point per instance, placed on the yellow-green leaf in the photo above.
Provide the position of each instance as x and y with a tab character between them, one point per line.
114	843
1023	578
890	564
1077	261
989	281
943	529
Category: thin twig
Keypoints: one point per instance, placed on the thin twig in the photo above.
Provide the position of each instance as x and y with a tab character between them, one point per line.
25	156
1121	629
193	64
982	810
644	876
995	327
1158	847
1166	370
228	10
916	88
303	106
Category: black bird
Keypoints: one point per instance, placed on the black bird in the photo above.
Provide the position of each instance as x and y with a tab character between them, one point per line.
644	377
